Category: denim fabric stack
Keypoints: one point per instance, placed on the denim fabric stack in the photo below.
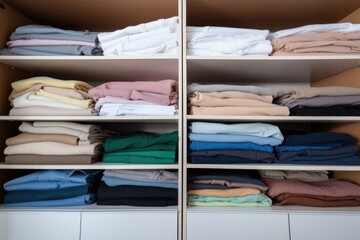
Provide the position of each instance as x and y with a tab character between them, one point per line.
217	143
52	188
323	148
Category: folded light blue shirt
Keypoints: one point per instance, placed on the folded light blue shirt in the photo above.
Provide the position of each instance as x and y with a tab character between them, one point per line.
75	201
114	181
198	146
51	179
234	138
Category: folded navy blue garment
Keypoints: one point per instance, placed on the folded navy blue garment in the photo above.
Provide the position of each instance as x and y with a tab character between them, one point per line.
245	154
317	138
325	146
197	146
74	201
52	179
345	151
336	110
33	195
239	176
352	160
224	160
140	202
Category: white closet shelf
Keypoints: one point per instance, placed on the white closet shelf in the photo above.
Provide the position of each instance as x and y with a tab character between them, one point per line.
273	166
126	119
272	118
94	166
286	209
274	69
97	68
91	208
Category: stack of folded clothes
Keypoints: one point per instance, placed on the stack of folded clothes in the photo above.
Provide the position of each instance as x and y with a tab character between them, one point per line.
136	98
318	39
158	37
306	176
51	97
142	148
56	143
39	40
220	99
224	41
52	188
321	101
323	148
314	192
217	143
138	188
238	188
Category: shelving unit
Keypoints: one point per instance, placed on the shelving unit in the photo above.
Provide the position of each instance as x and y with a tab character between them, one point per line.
279	72
89	222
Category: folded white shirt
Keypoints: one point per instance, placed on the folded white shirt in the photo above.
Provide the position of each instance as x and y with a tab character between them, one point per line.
111	99
125	109
331	27
31	100
86	128
211	31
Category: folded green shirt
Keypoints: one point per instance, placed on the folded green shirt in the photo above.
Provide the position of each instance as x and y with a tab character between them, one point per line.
111	158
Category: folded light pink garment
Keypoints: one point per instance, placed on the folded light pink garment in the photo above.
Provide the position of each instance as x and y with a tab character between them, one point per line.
228	100
161	92
33	137
47	42
241	111
331	188
48	111
50	159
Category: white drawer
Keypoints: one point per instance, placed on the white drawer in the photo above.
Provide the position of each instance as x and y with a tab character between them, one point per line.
334	226
20	225
131	225
237	225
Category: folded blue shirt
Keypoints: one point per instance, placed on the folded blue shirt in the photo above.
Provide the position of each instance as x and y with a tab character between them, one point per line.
52	179
74	201
198	146
328	146
234	138
115	181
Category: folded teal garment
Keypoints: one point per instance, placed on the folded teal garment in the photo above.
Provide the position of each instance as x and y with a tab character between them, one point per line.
139	140
259	200
155	147
113	158
41	195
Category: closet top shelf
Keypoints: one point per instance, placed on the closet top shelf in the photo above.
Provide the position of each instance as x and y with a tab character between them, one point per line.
273	15
104	15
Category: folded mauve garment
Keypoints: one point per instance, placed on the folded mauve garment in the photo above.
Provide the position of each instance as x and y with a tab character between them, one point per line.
50	159
316	201
274	110
32	137
328	188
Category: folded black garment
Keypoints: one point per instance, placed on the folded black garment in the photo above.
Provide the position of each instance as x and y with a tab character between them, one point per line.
318	138
336	110
43	195
148	202
224	160
345	151
244	154
126	191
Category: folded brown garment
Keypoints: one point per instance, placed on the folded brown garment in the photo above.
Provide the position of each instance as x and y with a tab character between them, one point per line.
50	159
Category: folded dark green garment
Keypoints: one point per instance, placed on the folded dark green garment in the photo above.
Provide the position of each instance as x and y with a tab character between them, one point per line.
139	140
113	158
150	154
155	147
